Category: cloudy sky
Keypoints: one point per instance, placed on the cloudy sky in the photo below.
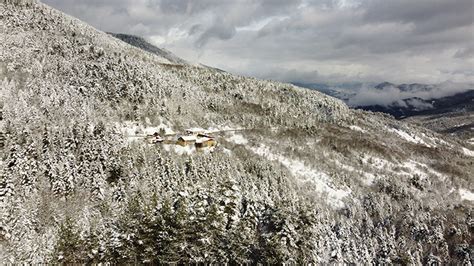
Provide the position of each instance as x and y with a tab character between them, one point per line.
320	41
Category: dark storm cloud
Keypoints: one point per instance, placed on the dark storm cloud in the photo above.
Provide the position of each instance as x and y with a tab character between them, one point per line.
312	40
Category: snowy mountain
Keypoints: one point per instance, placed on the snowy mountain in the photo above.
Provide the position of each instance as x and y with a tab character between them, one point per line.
421	99
344	91
446	108
143	44
403	100
115	155
452	115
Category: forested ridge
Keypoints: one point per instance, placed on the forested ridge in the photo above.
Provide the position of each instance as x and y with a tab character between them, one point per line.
307	180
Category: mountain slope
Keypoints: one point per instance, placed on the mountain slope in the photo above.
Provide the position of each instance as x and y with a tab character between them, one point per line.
296	177
143	44
413	106
454	118
445	108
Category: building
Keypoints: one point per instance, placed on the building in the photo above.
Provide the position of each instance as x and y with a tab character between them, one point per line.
186	140
204	135
205	142
155	138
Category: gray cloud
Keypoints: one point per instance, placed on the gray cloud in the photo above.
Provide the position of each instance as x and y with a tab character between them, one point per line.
465	53
219	30
426	16
391	95
400	41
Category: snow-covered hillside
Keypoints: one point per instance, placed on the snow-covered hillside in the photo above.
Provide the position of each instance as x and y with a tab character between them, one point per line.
296	176
146	46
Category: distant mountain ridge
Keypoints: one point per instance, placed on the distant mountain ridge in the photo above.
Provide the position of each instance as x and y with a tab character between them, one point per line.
418	106
413	87
413	99
425	104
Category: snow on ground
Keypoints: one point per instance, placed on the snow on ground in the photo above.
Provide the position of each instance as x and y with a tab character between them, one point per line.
132	139
409	168
134	131
227	151
238	139
151	130
306	173
344	166
414	169
440	141
466	194
310	143
366	178
377	163
167	128
212	130
433	141
357	128
468	152
196	129
409	137
128	128
227	128
471	141
430	170
187	150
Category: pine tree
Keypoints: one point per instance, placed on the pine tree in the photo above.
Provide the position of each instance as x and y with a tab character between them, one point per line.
69	245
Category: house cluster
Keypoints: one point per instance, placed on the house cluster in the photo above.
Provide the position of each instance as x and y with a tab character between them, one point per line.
194	136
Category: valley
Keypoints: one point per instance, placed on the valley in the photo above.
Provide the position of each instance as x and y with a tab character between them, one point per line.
295	176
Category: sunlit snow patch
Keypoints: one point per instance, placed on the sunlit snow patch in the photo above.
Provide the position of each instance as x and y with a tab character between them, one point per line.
466	194
414	169
441	142
368	179
376	162
468	152
238	139
357	128
409	137
227	151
